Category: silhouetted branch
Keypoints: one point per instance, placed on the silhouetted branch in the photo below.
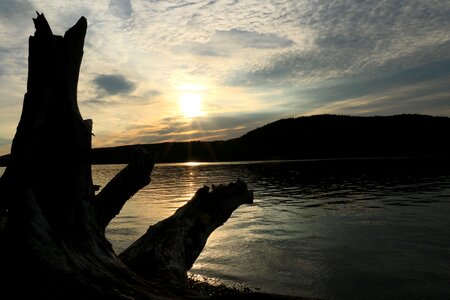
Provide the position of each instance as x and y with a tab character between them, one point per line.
123	186
168	249
42	26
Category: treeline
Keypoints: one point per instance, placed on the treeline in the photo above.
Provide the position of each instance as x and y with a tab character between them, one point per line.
320	136
327	136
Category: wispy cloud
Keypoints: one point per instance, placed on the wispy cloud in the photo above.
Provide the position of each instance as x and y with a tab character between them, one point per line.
358	38
13	9
284	56
121	8
4	142
206	128
228	42
172	7
428	98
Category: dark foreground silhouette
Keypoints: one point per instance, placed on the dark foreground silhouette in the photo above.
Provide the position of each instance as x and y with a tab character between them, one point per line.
52	224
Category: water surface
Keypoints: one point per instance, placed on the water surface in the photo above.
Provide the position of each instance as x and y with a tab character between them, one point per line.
336	233
326	229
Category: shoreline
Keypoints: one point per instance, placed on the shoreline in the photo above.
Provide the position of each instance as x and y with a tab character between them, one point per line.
218	289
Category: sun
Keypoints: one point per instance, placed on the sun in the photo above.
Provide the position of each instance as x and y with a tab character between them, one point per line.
190	104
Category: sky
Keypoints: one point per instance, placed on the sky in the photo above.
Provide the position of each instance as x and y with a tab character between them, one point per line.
156	71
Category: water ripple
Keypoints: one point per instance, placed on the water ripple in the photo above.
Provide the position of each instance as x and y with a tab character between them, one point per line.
320	233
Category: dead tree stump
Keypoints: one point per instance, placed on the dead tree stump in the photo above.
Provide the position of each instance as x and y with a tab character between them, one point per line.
52	225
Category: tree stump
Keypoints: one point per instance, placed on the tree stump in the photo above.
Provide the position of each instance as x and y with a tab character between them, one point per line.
52	225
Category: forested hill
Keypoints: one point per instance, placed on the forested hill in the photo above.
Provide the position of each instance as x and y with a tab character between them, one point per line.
321	136
327	136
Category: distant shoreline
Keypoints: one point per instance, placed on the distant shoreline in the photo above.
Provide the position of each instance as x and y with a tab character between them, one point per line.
321	137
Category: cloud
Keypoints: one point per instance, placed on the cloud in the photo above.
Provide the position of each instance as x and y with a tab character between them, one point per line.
181	5
172	7
426	98
212	127
249	39
129	100
211	2
325	64
16	25
114	84
360	85
99	101
3	55
121	8
11	9
245	121
4	142
226	42
294	67
152	93
353	39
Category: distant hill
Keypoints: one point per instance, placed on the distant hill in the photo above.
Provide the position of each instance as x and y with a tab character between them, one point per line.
320	136
330	136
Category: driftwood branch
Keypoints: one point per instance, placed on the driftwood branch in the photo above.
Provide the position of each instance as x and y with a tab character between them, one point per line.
169	248
123	186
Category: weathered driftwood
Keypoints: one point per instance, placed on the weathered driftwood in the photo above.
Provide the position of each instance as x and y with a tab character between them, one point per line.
52	225
169	249
123	186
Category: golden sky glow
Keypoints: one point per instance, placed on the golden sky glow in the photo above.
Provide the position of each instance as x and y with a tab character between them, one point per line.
177	70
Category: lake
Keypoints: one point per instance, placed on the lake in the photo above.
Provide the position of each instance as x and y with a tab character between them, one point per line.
331	229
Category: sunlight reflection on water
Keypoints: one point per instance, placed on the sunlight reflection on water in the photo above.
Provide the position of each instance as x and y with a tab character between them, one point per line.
311	231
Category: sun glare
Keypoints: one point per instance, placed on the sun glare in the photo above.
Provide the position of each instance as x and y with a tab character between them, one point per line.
190	104
192	164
